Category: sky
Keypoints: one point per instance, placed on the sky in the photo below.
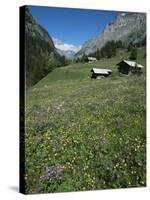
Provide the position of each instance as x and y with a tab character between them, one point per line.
70	28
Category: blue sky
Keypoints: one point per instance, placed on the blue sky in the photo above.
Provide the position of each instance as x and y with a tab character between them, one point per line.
72	26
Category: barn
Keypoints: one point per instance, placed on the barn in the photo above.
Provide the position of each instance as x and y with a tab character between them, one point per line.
97	72
92	59
126	67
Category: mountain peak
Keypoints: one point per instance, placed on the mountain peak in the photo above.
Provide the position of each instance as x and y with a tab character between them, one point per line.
66	49
127	27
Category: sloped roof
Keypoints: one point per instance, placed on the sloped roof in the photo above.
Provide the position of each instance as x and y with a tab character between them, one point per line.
133	64
92	58
101	71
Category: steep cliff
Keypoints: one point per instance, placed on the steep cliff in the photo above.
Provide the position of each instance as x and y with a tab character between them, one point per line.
127	27
41	54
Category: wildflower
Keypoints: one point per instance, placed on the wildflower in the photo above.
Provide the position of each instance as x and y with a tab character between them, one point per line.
52	173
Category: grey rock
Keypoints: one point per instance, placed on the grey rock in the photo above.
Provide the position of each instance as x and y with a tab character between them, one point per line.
127	27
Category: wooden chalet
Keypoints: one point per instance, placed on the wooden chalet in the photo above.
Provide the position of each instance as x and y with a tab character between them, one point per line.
92	59
97	72
126	67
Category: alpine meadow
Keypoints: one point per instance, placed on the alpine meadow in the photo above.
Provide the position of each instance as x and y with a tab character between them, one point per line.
83	133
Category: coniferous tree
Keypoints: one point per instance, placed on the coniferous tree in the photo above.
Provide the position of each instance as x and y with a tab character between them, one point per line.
133	55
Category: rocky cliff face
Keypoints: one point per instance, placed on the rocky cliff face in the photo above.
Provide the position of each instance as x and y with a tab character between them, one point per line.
33	29
127	27
41	54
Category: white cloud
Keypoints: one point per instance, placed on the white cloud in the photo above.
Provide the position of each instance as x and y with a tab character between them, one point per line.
123	14
64	46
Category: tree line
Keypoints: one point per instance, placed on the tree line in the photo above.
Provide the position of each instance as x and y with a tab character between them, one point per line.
109	50
41	59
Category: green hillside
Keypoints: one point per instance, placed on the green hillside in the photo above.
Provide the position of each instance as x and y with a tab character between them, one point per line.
41	54
84	134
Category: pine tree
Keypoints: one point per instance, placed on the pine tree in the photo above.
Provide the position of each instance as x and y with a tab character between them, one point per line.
133	55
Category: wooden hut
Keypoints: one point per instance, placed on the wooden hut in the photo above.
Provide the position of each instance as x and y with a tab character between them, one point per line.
96	72
126	67
92	59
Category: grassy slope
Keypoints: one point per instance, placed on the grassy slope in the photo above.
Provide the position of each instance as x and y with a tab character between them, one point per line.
93	129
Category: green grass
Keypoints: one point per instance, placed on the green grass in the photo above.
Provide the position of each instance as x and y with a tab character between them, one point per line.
93	130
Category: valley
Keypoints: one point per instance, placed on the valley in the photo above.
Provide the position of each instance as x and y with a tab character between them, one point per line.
94	130
81	133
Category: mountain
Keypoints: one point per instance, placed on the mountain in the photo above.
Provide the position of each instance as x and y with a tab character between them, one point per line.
41	54
69	54
127	27
65	49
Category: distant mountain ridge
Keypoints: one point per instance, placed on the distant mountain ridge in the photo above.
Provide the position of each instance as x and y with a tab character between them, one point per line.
66	49
127	27
69	54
